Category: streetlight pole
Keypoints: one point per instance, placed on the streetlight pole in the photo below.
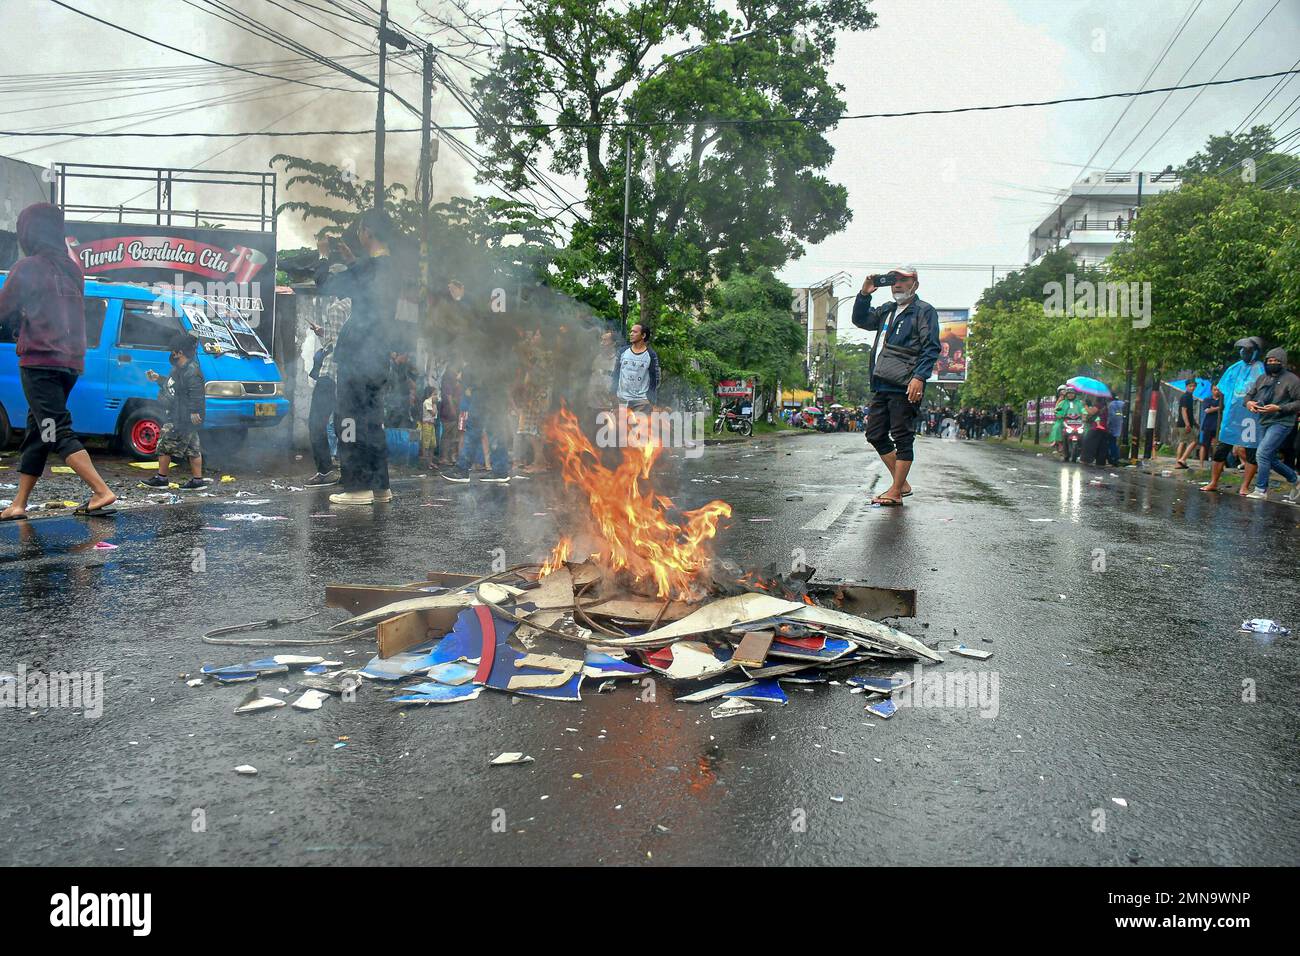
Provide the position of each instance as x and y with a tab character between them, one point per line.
627	201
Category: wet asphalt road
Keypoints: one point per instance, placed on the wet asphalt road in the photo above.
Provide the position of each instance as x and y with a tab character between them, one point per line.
1124	683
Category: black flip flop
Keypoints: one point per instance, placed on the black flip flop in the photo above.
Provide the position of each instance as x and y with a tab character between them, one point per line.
907	494
887	503
84	510
21	517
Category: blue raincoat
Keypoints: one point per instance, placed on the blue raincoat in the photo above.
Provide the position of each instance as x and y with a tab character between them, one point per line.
1234	384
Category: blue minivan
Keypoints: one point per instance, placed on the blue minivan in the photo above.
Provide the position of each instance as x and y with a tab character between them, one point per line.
129	330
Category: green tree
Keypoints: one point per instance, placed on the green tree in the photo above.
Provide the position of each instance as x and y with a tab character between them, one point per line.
1032	281
1018	352
748	326
1210	251
734	180
1226	156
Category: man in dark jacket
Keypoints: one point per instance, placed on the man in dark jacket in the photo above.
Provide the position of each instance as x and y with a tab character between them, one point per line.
1275	397
361	356
43	303
906	348
182	396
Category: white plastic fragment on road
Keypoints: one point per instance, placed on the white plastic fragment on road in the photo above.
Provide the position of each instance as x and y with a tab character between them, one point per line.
1119	801
734	707
255	702
511	757
252	516
311	700
1263	625
247	770
965	651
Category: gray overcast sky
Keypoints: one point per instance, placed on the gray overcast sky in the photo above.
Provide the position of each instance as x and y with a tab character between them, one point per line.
950	189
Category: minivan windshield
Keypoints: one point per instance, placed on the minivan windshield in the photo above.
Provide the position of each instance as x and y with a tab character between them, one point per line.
219	327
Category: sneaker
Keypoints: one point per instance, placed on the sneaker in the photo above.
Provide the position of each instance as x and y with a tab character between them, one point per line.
456	475
496	479
157	481
353	498
1256	493
195	484
384	496
1293	496
321	479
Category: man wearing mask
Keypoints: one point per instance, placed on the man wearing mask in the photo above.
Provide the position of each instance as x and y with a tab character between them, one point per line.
1239	429
906	348
1275	398
43	302
361	357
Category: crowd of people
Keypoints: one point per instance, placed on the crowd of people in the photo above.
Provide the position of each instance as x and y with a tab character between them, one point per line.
970	423
480	410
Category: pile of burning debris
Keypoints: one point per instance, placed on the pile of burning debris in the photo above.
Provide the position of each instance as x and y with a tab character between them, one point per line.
542	635
651	600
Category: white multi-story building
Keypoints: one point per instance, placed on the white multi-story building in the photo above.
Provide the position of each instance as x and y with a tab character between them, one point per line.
1095	214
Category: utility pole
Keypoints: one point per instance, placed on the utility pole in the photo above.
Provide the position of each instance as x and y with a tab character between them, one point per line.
379	111
426	182
627	201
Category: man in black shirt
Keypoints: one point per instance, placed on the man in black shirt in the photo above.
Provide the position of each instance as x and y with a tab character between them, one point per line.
361	360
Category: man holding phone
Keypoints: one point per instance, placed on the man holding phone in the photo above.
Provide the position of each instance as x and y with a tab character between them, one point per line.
903	356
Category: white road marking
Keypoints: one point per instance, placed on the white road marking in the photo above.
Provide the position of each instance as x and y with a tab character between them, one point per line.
829	514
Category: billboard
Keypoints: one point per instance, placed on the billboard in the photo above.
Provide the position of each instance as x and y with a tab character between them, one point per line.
734	388
1048	405
951	366
233	269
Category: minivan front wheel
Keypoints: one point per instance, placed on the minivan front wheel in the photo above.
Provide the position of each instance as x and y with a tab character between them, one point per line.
139	433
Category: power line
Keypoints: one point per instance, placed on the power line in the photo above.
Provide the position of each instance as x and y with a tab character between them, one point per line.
650	124
1221	68
1171	92
1267	98
1187	18
189	53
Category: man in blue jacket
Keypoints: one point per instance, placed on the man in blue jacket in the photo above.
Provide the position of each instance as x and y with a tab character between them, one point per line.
903	356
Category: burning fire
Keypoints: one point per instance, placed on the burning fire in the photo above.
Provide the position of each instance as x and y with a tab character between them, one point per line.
632	520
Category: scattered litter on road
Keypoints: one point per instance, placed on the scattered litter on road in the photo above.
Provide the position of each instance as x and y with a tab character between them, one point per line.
965	651
247	770
213	528
253	516
1119	801
1041	520
837	799
1263	625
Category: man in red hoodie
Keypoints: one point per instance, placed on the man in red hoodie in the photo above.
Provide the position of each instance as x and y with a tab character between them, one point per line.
43	301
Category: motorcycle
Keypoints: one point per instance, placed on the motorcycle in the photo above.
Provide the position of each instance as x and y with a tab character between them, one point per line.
733	422
1072	437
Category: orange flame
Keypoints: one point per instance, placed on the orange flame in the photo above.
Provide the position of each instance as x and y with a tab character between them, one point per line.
632	520
559	555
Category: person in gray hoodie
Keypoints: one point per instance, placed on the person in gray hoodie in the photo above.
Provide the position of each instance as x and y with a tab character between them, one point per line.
1275	397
